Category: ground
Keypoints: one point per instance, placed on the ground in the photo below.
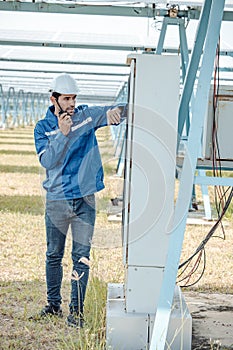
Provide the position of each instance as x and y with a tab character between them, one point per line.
212	320
22	278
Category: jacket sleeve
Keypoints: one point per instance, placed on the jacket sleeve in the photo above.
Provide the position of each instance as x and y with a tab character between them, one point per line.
99	114
50	152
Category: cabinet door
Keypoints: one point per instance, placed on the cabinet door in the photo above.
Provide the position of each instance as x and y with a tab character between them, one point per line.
128	162
149	177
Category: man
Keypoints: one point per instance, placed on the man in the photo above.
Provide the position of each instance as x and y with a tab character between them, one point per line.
67	148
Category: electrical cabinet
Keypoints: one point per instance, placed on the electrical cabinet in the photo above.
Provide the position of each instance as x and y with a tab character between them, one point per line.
217	136
148	208
149	176
133	331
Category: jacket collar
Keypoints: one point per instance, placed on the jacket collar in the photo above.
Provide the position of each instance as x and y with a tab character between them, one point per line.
51	117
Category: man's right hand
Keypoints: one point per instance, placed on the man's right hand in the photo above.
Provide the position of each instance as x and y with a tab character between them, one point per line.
65	123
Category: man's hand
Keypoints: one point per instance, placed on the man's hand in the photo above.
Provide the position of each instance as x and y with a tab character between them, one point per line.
114	116
65	123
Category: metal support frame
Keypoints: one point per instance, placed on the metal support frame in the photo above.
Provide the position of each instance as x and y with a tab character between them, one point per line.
158	340
205	195
3	107
190	78
149	11
187	97
118	133
183	40
184	65
120	164
183	48
20	108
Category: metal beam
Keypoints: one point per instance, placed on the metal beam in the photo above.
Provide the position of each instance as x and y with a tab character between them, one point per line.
100	89
81	63
60	71
22	42
192	69
87	80
96	98
120	47
149	11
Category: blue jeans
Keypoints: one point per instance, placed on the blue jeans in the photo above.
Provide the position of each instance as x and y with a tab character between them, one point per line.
78	214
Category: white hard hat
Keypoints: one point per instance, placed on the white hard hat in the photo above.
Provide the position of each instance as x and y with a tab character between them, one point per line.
64	84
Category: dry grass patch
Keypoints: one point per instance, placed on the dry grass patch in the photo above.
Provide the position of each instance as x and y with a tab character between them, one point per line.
20	184
17	147
12	159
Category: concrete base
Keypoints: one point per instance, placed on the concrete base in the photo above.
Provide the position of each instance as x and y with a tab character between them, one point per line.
133	331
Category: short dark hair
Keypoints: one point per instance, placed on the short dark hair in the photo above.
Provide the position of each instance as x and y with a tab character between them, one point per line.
56	94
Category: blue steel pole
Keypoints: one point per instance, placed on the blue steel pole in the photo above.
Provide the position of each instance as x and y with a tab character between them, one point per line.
121	133
29	107
10	104
16	120
162	318
19	106
192	68
185	59
3	107
162	37
32	119
183	48
121	161
24	113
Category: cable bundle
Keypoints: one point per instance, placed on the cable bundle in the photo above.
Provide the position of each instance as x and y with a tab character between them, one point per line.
222	202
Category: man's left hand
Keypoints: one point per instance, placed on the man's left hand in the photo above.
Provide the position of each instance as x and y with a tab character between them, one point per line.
114	116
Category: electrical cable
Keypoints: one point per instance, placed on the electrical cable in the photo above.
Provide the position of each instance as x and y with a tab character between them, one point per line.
219	191
202	273
221	202
211	232
194	268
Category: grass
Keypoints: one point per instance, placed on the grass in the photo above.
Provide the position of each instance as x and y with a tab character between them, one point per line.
12	142
19	333
18	153
23	244
19	169
33	205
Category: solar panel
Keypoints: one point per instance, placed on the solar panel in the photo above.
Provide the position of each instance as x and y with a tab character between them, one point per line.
33	67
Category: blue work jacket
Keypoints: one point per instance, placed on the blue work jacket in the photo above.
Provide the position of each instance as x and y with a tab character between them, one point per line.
73	163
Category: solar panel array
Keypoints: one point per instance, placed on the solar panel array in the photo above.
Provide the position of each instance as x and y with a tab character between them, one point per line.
34	47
